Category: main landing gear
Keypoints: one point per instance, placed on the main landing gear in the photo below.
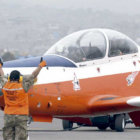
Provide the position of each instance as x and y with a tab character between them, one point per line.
115	122
120	123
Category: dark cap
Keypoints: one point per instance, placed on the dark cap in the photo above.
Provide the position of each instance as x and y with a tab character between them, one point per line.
14	75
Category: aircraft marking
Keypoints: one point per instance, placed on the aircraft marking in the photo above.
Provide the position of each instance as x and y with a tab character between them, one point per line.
76	84
131	78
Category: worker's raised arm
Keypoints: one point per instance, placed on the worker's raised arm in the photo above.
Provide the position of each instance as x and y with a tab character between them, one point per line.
1	70
28	80
40	66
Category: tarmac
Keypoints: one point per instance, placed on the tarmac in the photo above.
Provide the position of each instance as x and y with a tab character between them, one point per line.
54	131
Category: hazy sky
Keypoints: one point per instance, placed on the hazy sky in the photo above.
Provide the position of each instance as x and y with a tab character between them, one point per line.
125	6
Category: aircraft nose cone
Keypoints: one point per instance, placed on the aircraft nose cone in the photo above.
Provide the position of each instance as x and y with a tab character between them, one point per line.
134	101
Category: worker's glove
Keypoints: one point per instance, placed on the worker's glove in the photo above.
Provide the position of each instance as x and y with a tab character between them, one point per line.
42	63
1	62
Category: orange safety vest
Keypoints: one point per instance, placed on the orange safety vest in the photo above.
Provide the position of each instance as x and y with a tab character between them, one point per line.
16	99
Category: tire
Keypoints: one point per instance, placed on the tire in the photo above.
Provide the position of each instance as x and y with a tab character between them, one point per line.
67	125
102	127
119	123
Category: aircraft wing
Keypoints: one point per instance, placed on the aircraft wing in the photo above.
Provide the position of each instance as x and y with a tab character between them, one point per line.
112	104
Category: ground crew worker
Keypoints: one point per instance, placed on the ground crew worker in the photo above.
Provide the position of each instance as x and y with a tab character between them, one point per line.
16	109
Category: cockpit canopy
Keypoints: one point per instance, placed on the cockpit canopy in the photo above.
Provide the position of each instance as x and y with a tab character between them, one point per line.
120	44
93	44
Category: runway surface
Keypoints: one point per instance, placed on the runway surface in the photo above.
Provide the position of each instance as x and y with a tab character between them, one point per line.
54	131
